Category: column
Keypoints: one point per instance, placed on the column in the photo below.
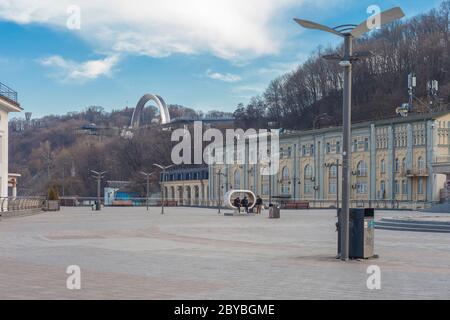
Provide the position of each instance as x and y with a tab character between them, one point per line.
320	168
294	171
390	164
429	136
409	159
373	163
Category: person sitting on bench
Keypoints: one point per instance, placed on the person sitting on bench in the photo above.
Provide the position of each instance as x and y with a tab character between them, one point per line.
237	204
244	203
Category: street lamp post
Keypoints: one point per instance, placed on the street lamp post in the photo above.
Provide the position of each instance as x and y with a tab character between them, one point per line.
349	32
219	174
163	168
99	176
147	177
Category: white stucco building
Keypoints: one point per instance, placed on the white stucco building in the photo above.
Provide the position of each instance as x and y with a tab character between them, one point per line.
8	103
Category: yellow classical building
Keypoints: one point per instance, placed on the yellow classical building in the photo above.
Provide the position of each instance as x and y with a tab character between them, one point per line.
398	162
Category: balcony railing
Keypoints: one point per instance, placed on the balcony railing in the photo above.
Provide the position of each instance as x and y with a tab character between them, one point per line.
443	159
8	93
415	172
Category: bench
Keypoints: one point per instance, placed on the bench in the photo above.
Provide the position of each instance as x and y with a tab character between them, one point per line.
168	203
297	205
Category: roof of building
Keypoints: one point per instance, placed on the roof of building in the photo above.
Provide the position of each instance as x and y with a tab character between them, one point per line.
363	124
187	167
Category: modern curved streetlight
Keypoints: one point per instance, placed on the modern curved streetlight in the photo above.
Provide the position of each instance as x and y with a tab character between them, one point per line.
349	32
147	190
163	169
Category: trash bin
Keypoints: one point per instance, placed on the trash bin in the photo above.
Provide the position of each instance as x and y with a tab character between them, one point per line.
97	205
361	233
274	212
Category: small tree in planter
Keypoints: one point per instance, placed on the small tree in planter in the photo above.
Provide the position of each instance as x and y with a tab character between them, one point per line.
52	199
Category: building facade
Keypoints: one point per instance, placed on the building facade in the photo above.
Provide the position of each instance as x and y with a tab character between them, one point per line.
396	163
8	103
187	185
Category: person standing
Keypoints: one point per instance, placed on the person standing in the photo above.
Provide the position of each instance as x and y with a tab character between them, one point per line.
259	204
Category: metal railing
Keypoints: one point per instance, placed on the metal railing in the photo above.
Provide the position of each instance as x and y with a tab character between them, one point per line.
8	93
10	204
443	159
415	171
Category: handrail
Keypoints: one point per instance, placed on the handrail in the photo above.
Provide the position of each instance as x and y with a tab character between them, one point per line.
442	159
8	204
8	93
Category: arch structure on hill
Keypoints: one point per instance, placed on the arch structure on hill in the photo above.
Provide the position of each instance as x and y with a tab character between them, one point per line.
163	110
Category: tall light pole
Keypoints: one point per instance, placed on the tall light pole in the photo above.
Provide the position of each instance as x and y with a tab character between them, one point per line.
147	190
99	176
349	32
219	174
163	169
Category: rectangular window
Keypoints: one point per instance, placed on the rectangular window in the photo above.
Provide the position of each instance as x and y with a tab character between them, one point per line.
382	189
332	187
420	186
396	187
309	186
265	189
361	187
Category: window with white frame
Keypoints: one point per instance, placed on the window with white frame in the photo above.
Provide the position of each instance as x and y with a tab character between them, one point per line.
361	169
404	187
361	187
285	174
420	186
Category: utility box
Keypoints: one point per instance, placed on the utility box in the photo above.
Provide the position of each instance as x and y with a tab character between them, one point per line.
361	233
274	212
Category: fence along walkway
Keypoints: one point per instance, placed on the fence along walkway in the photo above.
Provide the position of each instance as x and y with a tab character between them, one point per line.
13	206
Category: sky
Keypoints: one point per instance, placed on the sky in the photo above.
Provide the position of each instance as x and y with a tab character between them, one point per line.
65	55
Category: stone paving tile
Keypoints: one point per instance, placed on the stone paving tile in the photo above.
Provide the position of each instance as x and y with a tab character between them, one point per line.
189	253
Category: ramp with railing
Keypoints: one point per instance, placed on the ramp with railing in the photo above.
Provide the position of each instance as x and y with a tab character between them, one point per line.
17	206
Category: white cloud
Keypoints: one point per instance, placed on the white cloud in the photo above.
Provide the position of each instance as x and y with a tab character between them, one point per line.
231	29
251	88
68	70
225	77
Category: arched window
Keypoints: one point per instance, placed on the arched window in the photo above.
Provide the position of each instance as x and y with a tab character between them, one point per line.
404	164
332	181
308	184
420	163
285	173
237	179
362	169
383	166
333	172
397	165
308	172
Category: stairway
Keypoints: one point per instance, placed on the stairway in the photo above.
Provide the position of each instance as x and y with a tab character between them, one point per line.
414	225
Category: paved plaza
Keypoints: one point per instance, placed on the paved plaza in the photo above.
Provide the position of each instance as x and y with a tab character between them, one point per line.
191	253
